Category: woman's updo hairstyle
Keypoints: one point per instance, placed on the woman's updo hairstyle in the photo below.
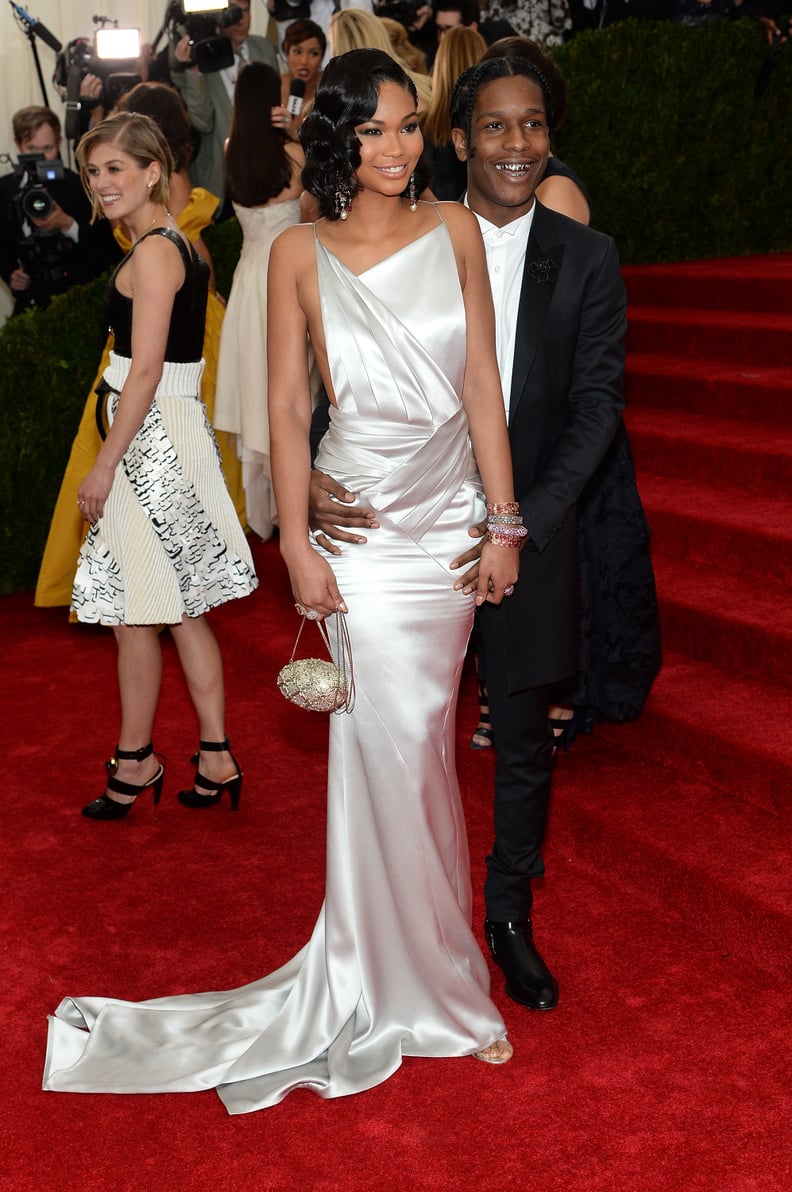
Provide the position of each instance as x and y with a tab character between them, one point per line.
347	96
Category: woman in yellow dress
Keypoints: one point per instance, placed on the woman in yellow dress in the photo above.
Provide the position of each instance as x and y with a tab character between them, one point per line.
193	209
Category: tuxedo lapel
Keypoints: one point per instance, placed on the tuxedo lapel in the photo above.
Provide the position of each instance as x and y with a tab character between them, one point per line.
540	274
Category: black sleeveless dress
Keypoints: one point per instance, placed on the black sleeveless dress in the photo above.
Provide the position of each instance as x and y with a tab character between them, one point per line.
169	541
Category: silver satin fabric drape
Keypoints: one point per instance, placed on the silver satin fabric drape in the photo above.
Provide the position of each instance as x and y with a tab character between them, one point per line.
392	967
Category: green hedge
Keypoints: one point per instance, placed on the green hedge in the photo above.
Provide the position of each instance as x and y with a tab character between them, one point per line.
681	161
679	157
48	360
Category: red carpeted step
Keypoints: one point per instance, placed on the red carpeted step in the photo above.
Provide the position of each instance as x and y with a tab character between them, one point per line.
717	615
751	393
716	451
719	864
725	335
738	283
717	727
723	528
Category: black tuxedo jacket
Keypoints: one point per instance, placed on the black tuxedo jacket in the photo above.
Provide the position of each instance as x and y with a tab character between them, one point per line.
564	408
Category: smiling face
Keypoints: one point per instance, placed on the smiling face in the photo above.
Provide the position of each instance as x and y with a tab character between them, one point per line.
509	148
304	60
390	142
119	185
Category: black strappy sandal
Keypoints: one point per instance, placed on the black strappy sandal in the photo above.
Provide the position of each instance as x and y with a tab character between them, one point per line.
233	785
105	808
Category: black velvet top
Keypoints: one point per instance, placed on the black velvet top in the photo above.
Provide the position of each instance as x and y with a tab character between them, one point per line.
186	331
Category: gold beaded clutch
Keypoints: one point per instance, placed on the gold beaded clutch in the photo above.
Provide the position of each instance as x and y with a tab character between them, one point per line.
315	683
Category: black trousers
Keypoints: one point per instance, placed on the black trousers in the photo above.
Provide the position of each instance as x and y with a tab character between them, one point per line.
523	743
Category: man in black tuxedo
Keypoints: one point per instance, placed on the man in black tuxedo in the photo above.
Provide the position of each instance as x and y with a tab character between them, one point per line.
560	314
43	256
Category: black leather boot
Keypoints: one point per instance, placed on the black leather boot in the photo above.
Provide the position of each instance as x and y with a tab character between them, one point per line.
528	979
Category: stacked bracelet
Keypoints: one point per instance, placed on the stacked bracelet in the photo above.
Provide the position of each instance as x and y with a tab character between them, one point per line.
500	535
503	509
504	523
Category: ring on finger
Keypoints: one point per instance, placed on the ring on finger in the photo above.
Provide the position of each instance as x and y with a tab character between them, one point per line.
310	613
509	591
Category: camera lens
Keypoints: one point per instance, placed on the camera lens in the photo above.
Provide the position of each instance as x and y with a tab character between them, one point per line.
37	204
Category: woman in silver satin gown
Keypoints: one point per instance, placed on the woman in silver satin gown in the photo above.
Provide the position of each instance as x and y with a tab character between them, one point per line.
396	300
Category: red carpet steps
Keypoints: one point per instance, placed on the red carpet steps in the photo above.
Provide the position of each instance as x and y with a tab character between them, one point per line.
709	393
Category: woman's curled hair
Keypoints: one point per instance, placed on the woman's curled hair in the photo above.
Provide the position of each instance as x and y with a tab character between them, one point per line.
347	96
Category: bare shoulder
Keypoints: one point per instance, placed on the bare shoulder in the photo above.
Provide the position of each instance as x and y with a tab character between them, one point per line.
159	255
459	219
157	247
294	244
564	196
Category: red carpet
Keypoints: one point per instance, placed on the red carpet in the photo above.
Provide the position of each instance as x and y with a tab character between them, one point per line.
666	912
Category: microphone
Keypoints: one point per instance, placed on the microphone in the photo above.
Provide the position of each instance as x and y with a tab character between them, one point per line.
295	101
36	27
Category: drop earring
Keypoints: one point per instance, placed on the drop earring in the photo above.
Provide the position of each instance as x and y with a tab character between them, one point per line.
343	200
411	192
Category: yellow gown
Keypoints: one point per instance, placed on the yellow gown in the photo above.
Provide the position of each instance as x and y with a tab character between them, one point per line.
68	528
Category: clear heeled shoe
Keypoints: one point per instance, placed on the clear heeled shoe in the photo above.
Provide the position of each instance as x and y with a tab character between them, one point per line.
499	1057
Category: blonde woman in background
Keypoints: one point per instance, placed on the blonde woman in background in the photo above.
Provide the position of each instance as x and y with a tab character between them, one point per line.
193	208
355	29
403	48
460	48
165	546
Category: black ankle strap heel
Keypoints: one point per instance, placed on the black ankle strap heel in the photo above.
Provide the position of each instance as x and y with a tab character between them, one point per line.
214	790
105	808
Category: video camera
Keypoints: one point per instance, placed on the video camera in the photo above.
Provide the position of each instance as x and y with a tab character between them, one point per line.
111	55
210	50
43	255
33	199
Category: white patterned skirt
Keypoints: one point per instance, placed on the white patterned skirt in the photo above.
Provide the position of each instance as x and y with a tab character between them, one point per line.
169	541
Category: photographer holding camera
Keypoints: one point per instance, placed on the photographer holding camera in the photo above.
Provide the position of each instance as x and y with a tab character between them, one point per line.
46	240
209	95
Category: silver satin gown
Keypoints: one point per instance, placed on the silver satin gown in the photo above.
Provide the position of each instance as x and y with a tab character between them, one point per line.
392	967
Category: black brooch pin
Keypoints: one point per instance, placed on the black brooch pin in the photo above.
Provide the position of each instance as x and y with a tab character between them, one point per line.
542	270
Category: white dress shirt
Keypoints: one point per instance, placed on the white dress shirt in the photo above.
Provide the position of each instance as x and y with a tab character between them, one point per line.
505	248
